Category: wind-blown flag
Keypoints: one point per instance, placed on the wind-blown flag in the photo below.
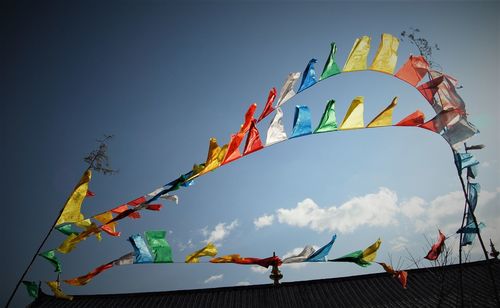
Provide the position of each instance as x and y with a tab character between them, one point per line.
301	257
276	131
448	97
209	250
361	257
415	119
56	289
328	121
233	151
436	248
356	61
321	254
387	54
31	288
72	209
464	160
331	68
287	91
236	258
470	232
108	228
402	276
309	76
83	280
268	108
354	116
142	254
215	156
385	117
253	142
125	259
50	256
442	120
301	121
66	229
159	247
459	132
69	243
414	70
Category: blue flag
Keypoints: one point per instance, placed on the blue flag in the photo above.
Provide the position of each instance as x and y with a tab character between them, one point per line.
464	160
142	254
309	76
301	121
321	254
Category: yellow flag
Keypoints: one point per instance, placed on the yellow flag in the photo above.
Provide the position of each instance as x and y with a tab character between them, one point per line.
370	253
71	211
387	54
226	259
89	228
356	61
56	288
209	250
385	117
69	243
354	116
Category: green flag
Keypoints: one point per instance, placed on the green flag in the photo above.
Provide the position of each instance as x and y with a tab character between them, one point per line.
328	120
160	249
331	68
32	288
354	257
51	257
66	229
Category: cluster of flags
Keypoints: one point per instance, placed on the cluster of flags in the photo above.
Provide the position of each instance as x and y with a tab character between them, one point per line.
440	91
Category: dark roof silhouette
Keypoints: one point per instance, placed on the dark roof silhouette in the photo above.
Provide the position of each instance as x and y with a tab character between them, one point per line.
373	290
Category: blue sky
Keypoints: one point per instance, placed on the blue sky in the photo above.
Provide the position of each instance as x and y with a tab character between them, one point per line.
164	78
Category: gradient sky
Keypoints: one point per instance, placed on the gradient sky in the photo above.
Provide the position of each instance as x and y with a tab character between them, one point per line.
164	78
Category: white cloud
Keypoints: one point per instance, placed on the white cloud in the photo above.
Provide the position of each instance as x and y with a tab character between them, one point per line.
183	246
399	243
221	231
214	278
413	208
243	283
259	269
263	221
377	209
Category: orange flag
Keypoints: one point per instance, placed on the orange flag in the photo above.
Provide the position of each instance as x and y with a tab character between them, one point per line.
414	70
415	119
253	140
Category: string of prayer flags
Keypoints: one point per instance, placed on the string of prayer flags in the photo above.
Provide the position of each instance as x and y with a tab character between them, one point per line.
321	254
402	276
236	258
415	119
301	257
331	68
287	91
50	256
253	142
160	249
385	117
269	105
72	209
356	61
56	289
436	248
387	54
354	116
309	76
66	229
83	280
328	121
208	251
276	131
301	121
464	160
31	288
414	70
361	257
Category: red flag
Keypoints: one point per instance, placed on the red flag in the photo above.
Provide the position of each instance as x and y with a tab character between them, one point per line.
233	151
436	249
442	119
248	118
137	201
122	208
83	280
430	88
262	262
269	105
90	194
402	276
413	70
154	207
109	230
414	119
253	140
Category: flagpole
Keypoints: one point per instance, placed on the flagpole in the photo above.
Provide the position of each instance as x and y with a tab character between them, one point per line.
38	251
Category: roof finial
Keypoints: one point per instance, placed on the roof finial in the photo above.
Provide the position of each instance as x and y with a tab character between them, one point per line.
275	272
494	253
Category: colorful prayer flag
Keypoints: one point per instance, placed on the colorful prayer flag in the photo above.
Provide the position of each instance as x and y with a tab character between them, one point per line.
354	116
328	121
110	228
253	142
69	243
361	257
233	151
127	259
236	258
464	160
72	209
83	280
415	119
309	76
301	121
31	288
56	289
356	61
209	250
402	276
269	105
66	229
142	254
436	248
50	256
459	132
387	54
414	70
287	91
441	120
331	68
321	254
301	257
276	131
385	117
159	247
